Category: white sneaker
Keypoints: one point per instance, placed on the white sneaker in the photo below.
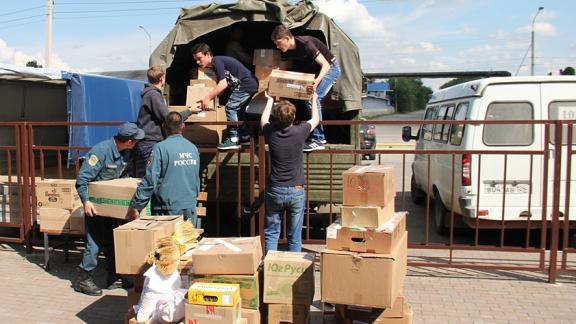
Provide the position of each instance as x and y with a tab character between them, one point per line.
313	146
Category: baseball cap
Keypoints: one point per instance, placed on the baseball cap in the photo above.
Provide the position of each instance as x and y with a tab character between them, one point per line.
130	130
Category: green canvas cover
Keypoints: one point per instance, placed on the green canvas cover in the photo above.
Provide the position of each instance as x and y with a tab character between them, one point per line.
201	20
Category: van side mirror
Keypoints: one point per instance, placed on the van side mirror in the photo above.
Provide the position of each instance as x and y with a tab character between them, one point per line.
407	134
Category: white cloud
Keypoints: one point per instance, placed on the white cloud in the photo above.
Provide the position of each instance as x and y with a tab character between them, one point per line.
12	56
408	60
544	29
352	16
429	47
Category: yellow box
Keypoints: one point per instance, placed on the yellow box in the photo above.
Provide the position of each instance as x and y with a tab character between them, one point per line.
213	294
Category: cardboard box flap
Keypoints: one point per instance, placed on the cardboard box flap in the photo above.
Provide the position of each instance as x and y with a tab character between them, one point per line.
360	255
147	222
389	226
161	218
370	169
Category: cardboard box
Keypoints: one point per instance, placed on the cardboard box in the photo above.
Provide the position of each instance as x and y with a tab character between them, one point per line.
249	286
54	220
203	314
370	185
288	84
195	93
263	72
227	255
251	315
289	278
204	134
360	239
214	294
366	216
400	313
111	198
204	74
364	279
77	221
243	321
288	313
134	240
57	193
266	57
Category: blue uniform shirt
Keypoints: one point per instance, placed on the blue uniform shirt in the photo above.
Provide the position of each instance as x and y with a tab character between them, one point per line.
103	162
172	179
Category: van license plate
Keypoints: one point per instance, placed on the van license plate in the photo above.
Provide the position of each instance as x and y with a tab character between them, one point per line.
521	188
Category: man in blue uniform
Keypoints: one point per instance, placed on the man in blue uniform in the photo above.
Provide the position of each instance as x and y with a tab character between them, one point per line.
172	178
107	160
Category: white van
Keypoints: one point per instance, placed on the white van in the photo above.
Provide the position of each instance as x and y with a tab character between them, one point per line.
482	184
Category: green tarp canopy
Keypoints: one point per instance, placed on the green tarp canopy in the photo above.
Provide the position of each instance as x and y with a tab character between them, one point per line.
202	20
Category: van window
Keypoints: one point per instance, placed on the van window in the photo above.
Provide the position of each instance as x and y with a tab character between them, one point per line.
440	133
565	110
446	128
457	131
431	114
509	134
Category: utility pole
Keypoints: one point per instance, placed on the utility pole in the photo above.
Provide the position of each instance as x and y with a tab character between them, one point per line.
532	40
49	4
149	40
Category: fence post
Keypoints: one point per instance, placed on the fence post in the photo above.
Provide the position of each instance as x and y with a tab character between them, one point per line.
554	231
25	146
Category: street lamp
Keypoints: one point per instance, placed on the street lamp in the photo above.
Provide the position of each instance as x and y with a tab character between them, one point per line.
532	42
149	39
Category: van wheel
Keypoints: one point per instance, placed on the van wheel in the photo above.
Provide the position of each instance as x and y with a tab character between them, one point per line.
418	196
440	215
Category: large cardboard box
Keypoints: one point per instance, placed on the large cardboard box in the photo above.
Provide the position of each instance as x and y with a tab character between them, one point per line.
203	74
360	239
249	286
134	240
227	255
214	294
371	185
289	278
401	312
53	220
366	216
202	314
289	84
288	314
266	57
77	221
251	315
196	92
200	133
364	279
111	198
57	193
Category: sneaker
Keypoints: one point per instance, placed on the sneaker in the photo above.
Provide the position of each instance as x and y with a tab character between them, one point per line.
84	283
323	141
313	146
228	144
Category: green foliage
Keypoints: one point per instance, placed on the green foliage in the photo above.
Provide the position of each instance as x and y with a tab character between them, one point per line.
567	71
458	81
409	94
33	64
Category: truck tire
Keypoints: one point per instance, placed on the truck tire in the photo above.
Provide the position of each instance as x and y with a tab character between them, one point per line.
418	196
440	216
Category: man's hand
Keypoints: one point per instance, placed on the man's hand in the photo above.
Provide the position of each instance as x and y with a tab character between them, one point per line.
195	109
312	87
206	103
89	209
132	213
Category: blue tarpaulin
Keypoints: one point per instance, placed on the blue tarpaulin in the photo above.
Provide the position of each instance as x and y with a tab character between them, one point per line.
93	98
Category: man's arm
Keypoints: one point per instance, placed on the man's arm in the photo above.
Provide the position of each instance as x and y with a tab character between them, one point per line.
265	118
220	87
315	116
324	68
146	187
88	172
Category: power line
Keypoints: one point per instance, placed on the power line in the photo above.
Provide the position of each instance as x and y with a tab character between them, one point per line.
112	10
115	16
19	19
22	24
21	10
123	2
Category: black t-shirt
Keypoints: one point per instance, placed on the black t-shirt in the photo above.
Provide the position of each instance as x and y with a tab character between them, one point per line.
306	51
286	154
235	73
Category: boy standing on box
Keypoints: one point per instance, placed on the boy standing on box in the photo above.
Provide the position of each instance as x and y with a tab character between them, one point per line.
172	179
306	50
151	116
231	74
285	185
105	161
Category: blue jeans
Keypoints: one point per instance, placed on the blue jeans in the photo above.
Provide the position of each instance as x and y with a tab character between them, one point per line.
189	213
322	90
292	201
236	109
99	238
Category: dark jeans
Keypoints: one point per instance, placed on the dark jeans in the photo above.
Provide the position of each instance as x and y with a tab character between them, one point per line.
142	152
99	238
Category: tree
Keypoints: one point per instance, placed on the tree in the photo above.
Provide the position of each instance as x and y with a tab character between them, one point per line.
458	81
33	64
567	71
410	94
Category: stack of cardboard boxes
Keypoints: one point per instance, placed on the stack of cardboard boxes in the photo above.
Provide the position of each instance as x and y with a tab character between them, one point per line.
364	265
8	199
213	303
288	286
232	260
59	208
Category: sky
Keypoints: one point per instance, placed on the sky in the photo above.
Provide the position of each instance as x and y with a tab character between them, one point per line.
392	35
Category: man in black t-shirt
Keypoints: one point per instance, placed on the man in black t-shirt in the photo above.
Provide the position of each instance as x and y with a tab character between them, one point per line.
305	50
285	185
231	74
